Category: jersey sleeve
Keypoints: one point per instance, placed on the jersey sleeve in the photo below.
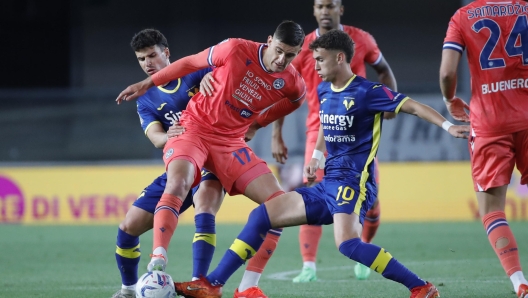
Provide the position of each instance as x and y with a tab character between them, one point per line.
146	117
219	53
373	55
293	100
454	39
382	99
196	77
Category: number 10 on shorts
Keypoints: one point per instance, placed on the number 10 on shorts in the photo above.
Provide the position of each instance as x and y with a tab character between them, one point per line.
345	193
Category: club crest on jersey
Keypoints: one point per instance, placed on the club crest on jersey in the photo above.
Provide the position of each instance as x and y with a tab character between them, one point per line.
169	153
278	84
348	102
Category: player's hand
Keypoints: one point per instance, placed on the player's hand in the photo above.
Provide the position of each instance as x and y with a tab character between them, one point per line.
206	85
134	91
459	131
252	130
175	130
457	108
279	149
389	115
310	170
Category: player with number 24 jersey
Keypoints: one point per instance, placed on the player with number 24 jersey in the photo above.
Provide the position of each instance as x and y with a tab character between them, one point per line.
495	35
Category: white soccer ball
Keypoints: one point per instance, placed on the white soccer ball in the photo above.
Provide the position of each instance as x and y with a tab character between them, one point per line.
155	284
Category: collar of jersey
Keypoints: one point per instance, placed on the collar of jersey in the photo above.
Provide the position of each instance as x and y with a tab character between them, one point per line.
346	85
317	30
261	57
173	90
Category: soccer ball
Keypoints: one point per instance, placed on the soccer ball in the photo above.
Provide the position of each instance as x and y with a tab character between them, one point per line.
155	284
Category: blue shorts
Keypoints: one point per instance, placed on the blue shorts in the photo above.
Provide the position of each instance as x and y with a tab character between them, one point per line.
333	196
150	196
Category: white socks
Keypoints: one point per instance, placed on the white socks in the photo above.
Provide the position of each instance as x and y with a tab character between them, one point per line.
517	279
310	265
161	251
250	279
130	288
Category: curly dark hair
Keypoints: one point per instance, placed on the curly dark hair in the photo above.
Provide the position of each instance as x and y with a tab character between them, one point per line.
290	33
336	40
147	38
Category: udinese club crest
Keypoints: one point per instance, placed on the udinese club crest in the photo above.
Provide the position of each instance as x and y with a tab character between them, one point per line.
169	153
278	84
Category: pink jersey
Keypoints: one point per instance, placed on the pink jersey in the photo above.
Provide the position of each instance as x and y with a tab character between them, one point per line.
366	51
495	34
246	88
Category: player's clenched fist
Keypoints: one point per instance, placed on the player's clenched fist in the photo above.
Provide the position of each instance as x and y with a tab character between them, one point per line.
310	169
459	131
134	91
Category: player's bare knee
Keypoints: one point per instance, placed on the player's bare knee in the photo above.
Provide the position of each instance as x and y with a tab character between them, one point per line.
178	186
205	208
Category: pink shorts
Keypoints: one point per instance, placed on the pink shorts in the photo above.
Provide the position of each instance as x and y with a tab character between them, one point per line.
230	159
493	159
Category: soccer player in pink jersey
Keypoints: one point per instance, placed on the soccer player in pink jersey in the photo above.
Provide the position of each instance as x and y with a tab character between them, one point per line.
495	36
255	86
328	15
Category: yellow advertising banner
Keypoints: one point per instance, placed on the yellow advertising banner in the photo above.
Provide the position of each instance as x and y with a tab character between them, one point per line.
103	194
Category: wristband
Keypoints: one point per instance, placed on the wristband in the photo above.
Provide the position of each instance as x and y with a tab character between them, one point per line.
447	100
317	154
446	125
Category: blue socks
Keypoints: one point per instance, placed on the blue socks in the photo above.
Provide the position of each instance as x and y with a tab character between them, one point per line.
127	257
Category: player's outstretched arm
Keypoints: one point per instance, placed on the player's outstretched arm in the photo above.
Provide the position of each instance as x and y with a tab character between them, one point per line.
448	83
279	151
431	115
135	90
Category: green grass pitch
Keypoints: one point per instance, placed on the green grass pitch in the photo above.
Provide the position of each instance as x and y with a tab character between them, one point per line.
78	261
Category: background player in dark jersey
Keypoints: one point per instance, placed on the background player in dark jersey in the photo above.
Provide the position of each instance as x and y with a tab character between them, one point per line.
257	85
495	36
328	15
351	117
159	110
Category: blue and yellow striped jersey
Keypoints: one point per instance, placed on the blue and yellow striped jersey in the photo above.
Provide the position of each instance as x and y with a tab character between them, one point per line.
351	118
165	104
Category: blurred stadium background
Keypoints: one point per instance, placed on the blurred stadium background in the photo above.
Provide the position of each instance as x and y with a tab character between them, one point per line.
69	155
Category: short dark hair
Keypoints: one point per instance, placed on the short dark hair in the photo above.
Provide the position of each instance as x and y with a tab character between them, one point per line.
148	38
336	40
290	33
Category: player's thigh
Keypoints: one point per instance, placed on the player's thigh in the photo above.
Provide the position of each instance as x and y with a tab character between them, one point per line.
492	160
286	210
316	209
521	154
208	197
139	217
346	227
262	187
311	139
184	157
137	221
